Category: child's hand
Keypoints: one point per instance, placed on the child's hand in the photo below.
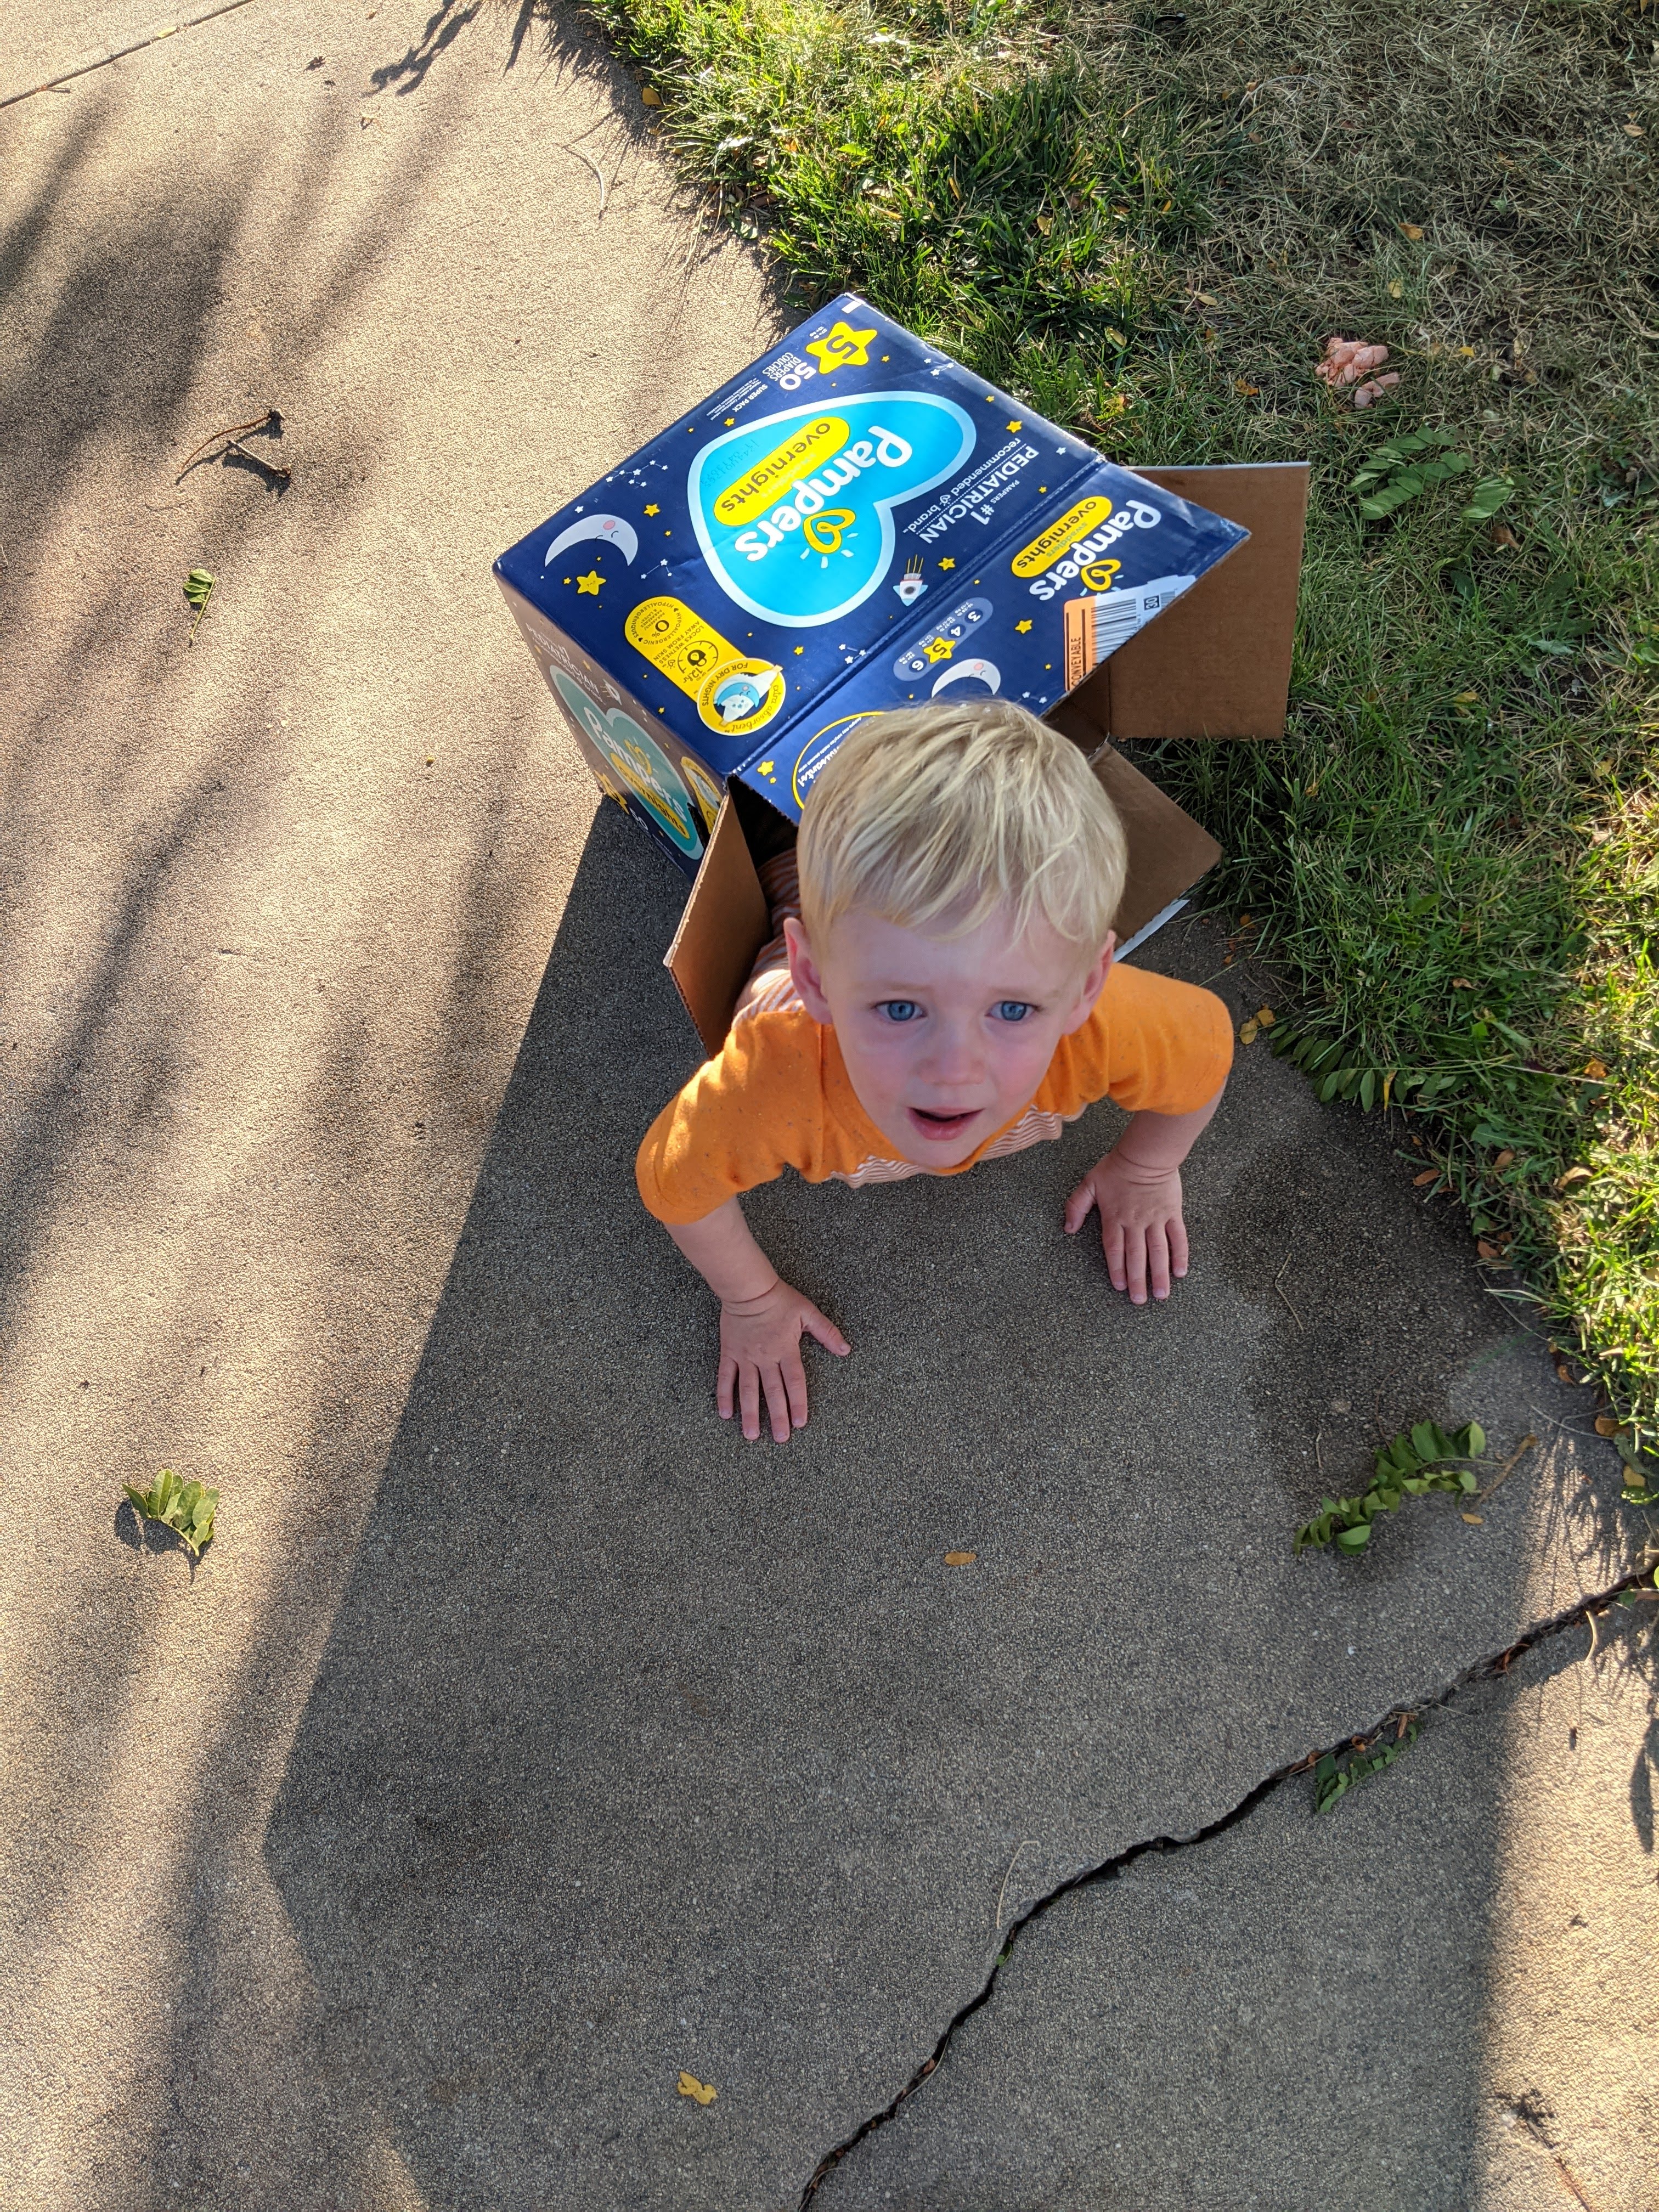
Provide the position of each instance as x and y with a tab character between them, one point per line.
759	1351
1141	1231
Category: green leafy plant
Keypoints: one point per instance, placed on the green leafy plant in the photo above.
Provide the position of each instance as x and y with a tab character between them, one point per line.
186	1508
1420	1459
198	590
1404	467
1398	472
1641	1476
1333	1778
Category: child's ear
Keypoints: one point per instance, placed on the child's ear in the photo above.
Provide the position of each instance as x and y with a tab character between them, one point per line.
803	971
1093	983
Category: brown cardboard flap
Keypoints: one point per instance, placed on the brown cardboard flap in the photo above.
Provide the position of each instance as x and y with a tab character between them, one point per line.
1218	664
1168	851
723	927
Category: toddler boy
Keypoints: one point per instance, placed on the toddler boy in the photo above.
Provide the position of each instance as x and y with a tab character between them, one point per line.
949	996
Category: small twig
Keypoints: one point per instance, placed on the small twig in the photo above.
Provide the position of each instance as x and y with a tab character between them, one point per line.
594	165
1030	1843
270	420
1508	1466
1542	2143
1284	1294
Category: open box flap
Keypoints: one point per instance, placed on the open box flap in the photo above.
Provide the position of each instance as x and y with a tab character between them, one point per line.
1168	851
724	925
1217	664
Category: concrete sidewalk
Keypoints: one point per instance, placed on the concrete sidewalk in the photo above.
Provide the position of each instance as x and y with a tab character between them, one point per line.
525	1737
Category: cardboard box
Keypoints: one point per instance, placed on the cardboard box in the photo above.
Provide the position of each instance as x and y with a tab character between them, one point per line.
855	524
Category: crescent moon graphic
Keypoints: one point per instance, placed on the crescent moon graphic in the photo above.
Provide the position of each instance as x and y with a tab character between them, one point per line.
987	671
608	529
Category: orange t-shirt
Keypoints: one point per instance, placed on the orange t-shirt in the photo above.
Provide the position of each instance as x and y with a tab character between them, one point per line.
778	1095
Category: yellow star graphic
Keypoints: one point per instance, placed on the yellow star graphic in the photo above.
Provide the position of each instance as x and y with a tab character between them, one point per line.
590	582
800	648
1016	425
947	563
939	648
1022	627
653	509
844	347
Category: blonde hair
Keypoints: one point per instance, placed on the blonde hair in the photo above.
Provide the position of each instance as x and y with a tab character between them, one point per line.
935	818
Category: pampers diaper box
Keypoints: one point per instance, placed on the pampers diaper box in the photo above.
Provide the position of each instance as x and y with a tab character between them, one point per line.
856	524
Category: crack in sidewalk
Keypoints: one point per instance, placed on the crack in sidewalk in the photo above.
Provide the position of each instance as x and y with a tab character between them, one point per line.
1111	1869
100	56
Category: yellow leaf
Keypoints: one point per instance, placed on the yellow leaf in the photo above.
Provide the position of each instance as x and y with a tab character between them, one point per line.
1575	1175
1248	391
1266	1016
1634	131
1503	1160
1248	1034
1595	1069
1606	1425
653	98
1466	353
1461	983
1395	287
1204	299
1413	230
1475	1520
960	1559
1468	699
1045	223
704	2092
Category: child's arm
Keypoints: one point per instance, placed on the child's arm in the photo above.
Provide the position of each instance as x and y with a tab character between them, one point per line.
761	1322
1137	1186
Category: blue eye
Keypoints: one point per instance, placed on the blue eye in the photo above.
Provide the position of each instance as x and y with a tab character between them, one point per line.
1012	1010
900	1010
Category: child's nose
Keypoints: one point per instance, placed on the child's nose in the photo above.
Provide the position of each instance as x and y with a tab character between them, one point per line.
955	1057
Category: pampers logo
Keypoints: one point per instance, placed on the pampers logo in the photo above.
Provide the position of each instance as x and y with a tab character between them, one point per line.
1086	535
795	514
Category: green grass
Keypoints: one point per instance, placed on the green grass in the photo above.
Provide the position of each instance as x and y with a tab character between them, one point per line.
1145	224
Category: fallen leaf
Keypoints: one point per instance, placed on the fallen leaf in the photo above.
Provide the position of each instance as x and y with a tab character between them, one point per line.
1248	1034
1575	1175
1503	1160
1466	353
1475	1520
1461	983
1244	922
1045	223
1413	230
1563	1371
1266	1016
1204	299
1606	1425
1634	131
1428	1175
1503	535
704	2092
1595	1068
1248	391
1487	1251
960	1559
653	98
1468	699
1395	287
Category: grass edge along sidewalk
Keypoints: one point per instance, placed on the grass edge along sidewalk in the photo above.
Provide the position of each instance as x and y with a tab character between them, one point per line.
1145	223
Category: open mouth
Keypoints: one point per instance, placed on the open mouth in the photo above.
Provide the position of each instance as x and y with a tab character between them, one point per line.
941	1127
